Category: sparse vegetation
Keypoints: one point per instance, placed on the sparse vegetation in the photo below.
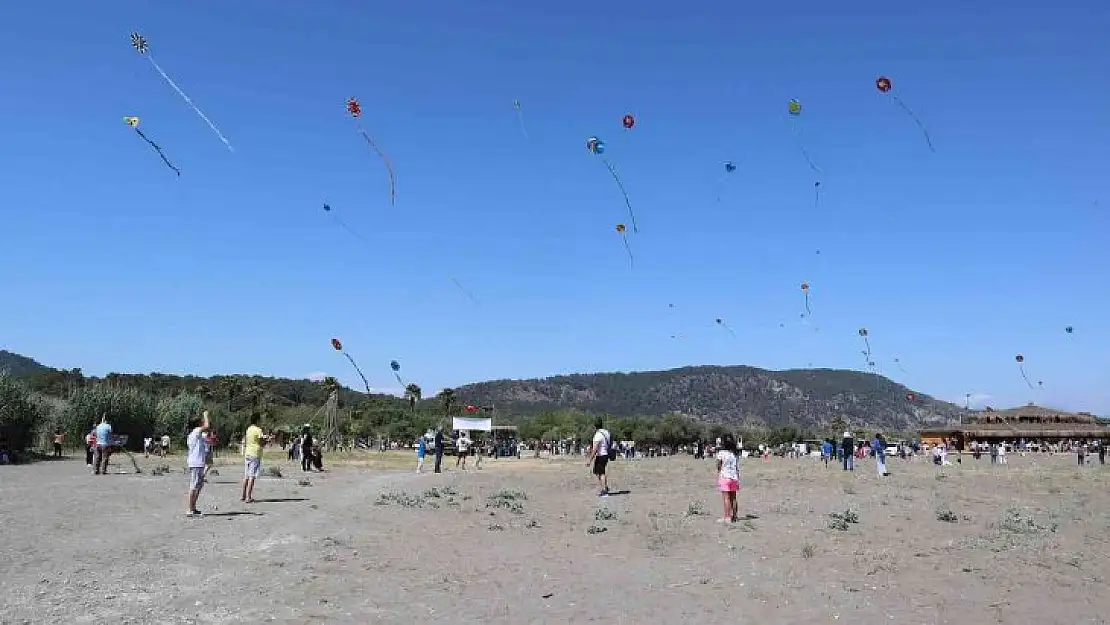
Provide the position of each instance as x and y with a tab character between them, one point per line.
604	514
507	499
809	550
696	508
840	521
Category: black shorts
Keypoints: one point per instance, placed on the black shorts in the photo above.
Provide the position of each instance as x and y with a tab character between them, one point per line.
600	463
462	453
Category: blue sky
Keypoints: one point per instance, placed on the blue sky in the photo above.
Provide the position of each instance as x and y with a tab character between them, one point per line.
955	261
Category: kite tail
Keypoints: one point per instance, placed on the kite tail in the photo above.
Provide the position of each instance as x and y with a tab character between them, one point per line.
388	167
1025	377
360	374
729	328
631	260
816	196
520	118
917	121
807	304
802	147
468	294
190	103
399	380
620	185
158	150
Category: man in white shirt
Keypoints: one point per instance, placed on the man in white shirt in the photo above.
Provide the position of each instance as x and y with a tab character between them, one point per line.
598	457
198	453
165	444
462	450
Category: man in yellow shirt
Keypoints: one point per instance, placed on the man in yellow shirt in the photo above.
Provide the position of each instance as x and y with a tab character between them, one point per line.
252	457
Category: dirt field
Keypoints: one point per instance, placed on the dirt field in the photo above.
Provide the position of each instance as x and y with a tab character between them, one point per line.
529	541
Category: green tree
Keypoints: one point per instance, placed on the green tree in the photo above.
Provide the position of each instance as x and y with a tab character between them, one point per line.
413	394
448	399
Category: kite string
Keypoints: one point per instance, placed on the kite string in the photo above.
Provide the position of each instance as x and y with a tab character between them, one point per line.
158	150
360	374
1021	367
388	166
802	147
189	101
520	118
465	292
620	185
344	225
627	248
916	120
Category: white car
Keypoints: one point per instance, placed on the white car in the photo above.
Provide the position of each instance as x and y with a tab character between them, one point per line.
891	451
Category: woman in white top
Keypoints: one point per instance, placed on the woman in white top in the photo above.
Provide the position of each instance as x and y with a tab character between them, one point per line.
728	476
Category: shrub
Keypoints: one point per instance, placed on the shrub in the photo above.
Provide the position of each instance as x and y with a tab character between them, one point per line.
129	411
20	414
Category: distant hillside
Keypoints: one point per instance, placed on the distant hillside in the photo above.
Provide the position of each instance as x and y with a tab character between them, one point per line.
18	365
738	395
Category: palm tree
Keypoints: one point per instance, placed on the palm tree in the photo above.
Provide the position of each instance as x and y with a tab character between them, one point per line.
447	396
413	393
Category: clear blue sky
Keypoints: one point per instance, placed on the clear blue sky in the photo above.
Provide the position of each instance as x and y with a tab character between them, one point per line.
955	261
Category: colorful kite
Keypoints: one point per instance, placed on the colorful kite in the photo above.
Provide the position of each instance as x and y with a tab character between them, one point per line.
911	397
794	107
472	409
396	367
805	291
1021	366
628	122
133	122
143	48
621	230
884	85
520	118
343	224
355	110
597	148
339	348
721	322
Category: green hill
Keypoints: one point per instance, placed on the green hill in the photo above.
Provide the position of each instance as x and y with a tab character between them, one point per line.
17	365
736	395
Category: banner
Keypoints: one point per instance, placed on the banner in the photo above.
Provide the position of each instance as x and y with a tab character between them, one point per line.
472	424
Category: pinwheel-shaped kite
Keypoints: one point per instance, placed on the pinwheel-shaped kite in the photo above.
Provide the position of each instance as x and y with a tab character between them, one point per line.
354	109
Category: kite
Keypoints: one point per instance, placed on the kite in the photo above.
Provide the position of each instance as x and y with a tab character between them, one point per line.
339	348
141	46
898	363
621	230
911	397
805	291
794	107
343	224
729	168
628	122
355	110
721	322
520	118
867	344
1020	360
133	122
597	148
816	193
884	85
396	367
471	408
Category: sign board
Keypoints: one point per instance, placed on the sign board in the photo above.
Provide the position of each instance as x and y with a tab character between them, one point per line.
472	424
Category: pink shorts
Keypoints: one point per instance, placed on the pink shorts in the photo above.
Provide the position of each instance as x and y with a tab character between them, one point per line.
728	486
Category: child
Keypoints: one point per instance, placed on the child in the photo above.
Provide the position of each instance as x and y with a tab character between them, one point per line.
198	452
421	449
728	476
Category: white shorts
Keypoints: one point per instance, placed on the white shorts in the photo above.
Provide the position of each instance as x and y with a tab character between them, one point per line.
196	478
252	466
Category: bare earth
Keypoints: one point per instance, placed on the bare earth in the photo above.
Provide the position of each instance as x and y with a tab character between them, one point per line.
1024	543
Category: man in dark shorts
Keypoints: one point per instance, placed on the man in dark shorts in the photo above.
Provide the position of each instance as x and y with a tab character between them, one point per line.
599	456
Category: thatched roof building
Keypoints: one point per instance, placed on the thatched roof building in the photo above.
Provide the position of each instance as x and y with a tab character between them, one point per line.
1027	422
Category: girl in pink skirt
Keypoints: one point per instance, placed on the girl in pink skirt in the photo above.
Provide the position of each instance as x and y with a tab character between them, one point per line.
728	476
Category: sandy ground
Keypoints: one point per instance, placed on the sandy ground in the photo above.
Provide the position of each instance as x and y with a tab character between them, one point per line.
529	541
